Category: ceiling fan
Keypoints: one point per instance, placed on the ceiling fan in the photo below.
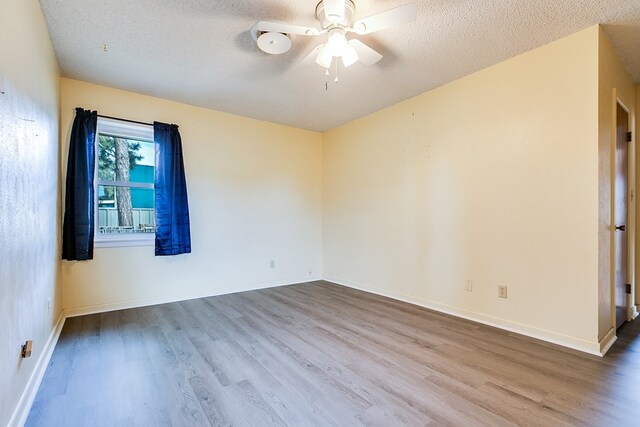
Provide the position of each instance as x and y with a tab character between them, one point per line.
336	21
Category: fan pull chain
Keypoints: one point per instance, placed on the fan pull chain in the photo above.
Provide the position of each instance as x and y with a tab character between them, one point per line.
326	79
336	80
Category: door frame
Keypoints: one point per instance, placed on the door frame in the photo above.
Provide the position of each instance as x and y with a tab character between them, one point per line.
632	305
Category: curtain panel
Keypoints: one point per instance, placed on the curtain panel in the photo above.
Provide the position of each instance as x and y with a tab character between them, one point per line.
173	235
78	223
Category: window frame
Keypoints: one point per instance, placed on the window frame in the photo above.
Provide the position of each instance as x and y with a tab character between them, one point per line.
128	130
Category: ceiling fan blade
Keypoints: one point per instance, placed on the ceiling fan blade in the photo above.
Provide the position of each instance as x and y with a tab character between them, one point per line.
387	19
367	55
334	10
280	27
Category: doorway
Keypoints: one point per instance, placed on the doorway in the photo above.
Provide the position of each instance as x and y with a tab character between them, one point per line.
621	215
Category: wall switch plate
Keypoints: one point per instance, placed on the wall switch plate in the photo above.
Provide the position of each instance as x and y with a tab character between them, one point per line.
468	286
502	291
272	264
49	303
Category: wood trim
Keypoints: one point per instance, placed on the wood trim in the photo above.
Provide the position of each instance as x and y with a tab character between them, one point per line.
29	394
591	347
608	340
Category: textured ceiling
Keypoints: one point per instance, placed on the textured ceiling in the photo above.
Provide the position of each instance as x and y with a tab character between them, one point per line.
200	51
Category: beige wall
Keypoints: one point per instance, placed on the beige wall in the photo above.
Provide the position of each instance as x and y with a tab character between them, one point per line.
615	84
255	195
491	178
29	80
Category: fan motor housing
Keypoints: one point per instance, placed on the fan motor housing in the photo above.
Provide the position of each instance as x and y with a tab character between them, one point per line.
349	11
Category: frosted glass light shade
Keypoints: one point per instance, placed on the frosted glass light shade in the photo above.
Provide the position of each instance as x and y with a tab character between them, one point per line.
324	57
349	55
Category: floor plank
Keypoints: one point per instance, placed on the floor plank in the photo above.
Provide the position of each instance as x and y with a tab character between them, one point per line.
319	354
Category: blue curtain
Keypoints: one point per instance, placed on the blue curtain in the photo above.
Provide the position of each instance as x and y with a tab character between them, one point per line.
78	227
173	236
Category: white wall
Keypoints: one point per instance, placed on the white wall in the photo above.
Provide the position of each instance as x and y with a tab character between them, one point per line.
491	178
255	195
29	80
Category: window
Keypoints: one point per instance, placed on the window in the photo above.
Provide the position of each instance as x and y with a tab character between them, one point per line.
125	169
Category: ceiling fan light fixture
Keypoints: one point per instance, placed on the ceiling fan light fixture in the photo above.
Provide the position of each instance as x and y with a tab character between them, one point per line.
274	43
336	19
337	41
325	57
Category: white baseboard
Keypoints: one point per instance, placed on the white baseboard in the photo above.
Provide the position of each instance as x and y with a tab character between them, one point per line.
178	296
29	394
591	347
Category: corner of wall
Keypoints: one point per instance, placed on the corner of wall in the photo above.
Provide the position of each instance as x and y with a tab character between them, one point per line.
614	85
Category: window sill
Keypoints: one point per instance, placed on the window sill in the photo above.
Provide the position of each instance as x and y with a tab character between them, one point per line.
122	241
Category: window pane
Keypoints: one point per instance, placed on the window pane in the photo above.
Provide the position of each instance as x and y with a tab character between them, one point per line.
128	160
125	210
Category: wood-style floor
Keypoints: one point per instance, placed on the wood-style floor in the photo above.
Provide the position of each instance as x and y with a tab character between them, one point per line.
319	354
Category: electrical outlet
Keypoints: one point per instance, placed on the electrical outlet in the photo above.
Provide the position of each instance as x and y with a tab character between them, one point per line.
272	264
468	286
502	291
26	349
310	272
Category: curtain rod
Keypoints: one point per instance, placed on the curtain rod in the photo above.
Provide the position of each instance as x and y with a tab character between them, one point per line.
125	120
